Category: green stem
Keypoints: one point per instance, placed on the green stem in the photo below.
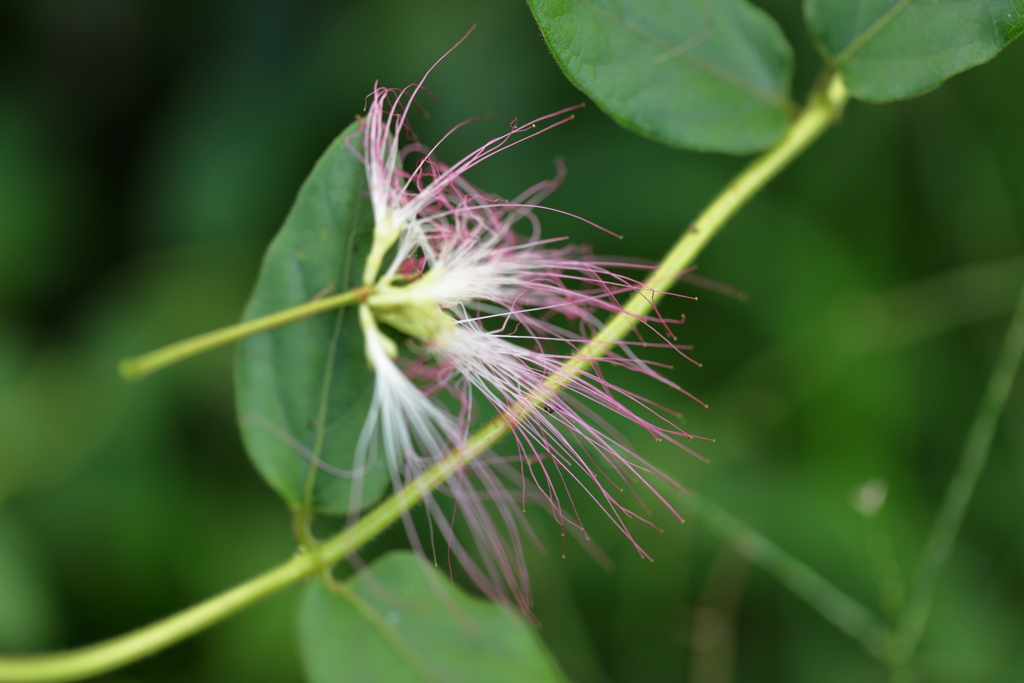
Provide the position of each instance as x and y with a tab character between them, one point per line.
973	459
834	605
93	660
822	109
138	367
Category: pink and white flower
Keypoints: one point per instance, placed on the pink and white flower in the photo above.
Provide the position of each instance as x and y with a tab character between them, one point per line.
489	316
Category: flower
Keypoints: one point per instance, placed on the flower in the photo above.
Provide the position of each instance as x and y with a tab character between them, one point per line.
490	317
411	207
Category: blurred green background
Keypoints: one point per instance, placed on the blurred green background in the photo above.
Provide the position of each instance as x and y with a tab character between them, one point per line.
148	152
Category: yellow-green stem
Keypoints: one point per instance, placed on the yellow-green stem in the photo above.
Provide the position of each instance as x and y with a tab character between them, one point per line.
822	109
93	660
140	366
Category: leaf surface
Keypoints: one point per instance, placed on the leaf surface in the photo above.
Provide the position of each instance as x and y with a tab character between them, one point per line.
710	75
303	390
406	623
894	49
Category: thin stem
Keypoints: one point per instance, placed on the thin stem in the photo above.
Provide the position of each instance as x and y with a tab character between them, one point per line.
822	109
93	660
973	459
138	367
834	605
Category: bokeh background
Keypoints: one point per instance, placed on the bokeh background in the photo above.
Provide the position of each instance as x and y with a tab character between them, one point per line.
148	152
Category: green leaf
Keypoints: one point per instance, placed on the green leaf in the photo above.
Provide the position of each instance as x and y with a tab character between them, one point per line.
303	390
889	50
407	623
709	75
